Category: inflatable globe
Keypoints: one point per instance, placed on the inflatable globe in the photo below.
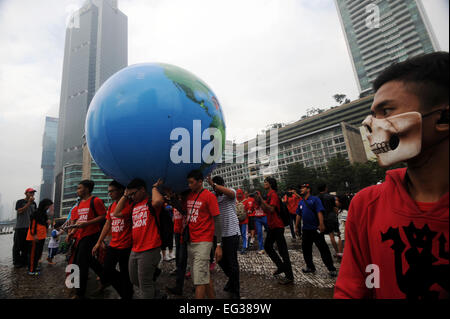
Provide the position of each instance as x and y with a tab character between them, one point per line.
155	121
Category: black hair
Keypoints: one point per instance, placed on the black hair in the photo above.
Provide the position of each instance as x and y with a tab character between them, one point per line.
322	188
291	187
345	201
89	184
196	174
44	204
273	183
137	183
40	215
218	180
427	74
117	185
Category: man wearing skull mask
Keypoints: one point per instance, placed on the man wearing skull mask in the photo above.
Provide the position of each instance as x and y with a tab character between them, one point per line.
397	232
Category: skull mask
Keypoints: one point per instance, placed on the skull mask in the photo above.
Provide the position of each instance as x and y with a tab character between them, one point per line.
396	138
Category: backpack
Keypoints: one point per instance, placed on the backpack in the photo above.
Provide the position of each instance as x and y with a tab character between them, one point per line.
284	213
92	206
164	223
240	211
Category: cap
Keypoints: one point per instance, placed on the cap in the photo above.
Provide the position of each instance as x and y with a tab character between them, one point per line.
30	190
305	185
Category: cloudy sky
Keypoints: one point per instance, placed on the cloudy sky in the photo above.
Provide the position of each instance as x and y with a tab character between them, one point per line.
267	61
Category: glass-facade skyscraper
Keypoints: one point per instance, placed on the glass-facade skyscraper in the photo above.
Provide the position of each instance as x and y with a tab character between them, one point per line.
48	157
402	31
96	47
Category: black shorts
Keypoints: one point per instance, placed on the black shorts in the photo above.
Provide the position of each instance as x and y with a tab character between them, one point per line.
251	223
332	226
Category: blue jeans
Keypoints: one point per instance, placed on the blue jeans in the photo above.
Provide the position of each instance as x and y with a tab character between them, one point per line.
244	236
259	222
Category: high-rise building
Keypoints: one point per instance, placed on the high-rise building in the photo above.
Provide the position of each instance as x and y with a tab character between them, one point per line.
381	32
48	157
96	47
311	141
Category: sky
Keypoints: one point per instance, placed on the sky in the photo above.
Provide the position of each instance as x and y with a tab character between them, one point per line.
266	60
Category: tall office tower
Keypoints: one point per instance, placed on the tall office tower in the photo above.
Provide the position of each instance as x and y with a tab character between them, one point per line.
48	157
96	47
380	32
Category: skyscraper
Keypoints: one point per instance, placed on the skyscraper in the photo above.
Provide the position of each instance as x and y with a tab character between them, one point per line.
96	47
381	32
48	157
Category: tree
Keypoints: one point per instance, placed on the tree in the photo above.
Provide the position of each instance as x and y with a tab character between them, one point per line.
340	174
246	185
298	174
257	186
339	98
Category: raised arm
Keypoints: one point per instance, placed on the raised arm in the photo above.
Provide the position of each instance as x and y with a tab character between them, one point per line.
157	198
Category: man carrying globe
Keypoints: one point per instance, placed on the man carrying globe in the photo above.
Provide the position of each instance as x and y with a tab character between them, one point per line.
146	249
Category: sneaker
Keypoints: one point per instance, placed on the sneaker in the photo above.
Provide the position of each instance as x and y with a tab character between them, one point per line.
333	273
339	255
30	273
175	291
308	270
261	252
173	273
172	255
51	263
278	272
212	266
252	240
243	251
285	281
167	257
37	273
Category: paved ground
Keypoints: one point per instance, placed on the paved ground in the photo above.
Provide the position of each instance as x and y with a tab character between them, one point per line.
256	278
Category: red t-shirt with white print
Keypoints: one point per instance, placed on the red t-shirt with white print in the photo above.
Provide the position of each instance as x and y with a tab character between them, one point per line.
201	216
145	232
120	226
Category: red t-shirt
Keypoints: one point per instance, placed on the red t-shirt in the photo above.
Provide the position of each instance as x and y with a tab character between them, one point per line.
258	211
84	213
178	221
292	203
386	228
273	219
145	232
201	217
249	206
120	227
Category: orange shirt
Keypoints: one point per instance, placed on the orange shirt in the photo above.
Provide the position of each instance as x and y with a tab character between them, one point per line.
41	231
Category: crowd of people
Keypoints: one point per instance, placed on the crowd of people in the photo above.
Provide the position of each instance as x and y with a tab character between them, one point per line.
402	220
141	226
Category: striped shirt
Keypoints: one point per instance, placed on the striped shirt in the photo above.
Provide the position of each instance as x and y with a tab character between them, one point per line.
230	222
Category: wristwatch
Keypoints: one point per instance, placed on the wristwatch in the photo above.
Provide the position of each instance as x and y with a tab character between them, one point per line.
219	244
214	186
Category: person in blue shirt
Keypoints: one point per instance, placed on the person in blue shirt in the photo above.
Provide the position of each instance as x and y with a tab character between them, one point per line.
310	209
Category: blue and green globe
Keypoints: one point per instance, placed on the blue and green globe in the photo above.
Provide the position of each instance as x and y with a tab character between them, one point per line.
155	121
